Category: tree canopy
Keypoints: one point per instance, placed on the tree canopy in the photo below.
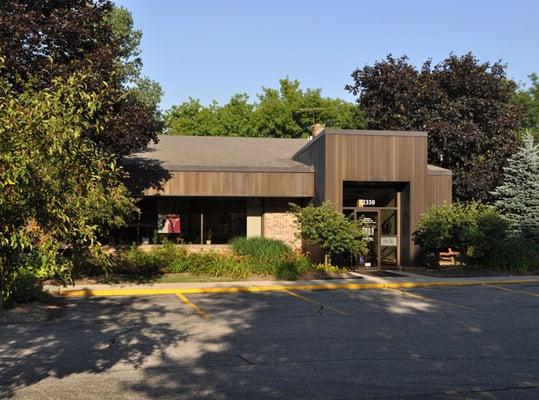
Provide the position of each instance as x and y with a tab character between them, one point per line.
285	112
44	40
58	189
528	98
463	104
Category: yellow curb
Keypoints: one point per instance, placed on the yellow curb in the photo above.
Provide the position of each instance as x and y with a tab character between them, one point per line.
281	288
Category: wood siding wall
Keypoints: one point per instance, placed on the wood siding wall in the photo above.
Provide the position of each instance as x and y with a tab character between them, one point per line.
236	184
370	158
439	189
316	157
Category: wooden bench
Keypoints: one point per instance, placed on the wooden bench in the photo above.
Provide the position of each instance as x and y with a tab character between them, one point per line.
449	257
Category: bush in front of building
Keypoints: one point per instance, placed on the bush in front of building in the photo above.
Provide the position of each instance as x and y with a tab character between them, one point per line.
331	230
268	256
260	248
271	257
448	226
251	257
480	233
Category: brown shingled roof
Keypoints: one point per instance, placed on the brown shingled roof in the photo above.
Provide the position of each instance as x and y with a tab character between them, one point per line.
222	153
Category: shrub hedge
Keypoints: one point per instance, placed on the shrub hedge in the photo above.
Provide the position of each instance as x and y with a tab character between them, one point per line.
480	233
253	256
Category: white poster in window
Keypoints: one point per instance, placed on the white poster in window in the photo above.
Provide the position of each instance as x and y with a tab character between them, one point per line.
389	241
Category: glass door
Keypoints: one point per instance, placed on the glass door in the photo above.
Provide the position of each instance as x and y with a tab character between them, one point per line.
389	237
369	220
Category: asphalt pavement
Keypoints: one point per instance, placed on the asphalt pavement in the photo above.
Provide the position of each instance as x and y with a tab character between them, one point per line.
477	342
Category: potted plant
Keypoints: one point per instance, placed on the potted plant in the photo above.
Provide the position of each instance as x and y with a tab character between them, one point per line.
208	240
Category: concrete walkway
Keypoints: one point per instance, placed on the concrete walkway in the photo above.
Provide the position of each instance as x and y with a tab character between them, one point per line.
361	282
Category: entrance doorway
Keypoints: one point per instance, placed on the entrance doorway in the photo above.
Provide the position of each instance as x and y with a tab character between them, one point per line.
381	227
377	206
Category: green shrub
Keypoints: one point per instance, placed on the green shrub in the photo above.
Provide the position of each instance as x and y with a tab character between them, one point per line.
260	248
515	255
219	265
291	267
490	233
255	256
24	287
168	257
270	257
480	233
335	233
92	262
135	261
448	225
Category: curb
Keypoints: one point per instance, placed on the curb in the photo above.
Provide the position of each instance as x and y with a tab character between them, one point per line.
281	288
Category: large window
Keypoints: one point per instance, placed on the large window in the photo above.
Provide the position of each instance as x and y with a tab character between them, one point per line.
191	220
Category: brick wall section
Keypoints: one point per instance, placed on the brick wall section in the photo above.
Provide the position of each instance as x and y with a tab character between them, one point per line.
278	223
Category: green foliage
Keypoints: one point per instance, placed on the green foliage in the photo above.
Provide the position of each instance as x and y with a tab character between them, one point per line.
58	190
480	233
262	257
529	100
330	229
163	258
514	255
286	112
270	257
23	287
517	198
448	226
260	248
41	41
465	106
254	256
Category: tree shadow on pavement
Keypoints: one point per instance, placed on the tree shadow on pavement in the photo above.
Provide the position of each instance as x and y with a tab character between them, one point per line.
343	344
386	345
91	336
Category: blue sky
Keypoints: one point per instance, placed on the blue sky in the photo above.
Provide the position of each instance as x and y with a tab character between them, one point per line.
213	49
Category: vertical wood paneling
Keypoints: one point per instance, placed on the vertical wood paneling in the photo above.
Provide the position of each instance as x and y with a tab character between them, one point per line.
222	183
384	158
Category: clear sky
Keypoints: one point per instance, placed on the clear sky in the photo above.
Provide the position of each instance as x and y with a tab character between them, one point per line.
212	49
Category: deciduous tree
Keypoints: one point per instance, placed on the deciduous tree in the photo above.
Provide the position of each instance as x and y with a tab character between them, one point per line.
58	189
528	98
43	40
285	112
464	106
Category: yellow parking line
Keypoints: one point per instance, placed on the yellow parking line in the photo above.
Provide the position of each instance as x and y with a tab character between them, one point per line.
513	290
189	303
299	296
425	298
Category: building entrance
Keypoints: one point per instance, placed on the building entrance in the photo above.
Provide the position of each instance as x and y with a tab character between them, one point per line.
378	208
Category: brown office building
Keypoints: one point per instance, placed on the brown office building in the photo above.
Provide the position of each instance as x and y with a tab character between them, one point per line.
210	189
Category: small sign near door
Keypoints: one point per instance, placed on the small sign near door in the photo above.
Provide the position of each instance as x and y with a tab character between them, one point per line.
365	202
389	241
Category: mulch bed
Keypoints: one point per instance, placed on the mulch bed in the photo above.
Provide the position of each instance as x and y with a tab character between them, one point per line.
32	312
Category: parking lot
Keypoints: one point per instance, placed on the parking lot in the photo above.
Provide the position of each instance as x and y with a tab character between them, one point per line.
476	342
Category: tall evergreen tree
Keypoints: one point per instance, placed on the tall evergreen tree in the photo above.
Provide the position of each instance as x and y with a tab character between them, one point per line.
517	198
